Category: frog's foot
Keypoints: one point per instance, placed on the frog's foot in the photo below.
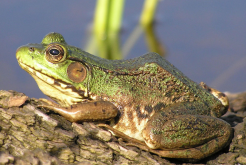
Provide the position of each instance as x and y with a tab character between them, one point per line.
189	155
48	102
191	137
130	141
89	111
125	137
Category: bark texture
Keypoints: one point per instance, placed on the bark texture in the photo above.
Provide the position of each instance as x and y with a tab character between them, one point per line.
30	135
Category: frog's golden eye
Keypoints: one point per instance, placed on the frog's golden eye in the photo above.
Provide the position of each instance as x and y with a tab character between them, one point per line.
55	53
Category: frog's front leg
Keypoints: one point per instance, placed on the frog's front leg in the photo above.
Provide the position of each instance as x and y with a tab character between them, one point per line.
87	111
177	135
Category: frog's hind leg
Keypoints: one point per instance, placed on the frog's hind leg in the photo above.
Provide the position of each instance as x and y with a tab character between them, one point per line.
191	137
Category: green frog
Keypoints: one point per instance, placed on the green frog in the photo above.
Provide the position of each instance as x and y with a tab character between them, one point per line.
145	100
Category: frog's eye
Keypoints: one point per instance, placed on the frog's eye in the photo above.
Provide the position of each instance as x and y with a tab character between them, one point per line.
55	53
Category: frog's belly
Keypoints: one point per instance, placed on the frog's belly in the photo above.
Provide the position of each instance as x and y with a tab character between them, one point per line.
132	123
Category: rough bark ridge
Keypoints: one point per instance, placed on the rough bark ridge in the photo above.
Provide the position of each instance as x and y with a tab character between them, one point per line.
30	135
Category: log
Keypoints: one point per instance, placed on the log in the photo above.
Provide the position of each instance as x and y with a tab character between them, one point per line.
33	135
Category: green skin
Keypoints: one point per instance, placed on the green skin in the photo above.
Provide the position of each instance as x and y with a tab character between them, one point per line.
147	100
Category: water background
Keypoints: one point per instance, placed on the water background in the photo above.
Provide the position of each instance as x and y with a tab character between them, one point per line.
205	39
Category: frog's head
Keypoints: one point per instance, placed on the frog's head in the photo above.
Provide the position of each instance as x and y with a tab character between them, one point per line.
223	107
54	67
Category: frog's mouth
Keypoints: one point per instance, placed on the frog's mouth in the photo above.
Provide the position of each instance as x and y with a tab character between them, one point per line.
63	93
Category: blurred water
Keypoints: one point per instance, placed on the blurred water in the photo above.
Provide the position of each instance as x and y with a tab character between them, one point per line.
205	39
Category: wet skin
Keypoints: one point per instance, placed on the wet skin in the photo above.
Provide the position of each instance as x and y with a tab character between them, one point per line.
146	100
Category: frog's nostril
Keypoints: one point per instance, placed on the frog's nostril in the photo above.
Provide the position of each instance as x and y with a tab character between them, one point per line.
31	49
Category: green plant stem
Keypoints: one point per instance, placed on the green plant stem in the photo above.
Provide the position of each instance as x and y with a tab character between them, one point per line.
148	12
101	16
115	15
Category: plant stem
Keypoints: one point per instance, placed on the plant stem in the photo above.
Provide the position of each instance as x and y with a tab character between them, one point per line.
148	12
101	15
115	15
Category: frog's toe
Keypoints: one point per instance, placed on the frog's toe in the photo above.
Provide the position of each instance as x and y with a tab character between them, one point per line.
48	102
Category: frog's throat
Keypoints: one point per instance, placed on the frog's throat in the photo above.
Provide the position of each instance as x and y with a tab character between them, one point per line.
63	93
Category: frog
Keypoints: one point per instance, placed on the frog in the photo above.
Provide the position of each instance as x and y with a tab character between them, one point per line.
145	100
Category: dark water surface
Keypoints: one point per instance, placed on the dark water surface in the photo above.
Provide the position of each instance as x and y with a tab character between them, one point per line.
205	39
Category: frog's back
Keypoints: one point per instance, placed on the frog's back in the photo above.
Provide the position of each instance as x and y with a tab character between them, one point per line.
150	78
160	77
